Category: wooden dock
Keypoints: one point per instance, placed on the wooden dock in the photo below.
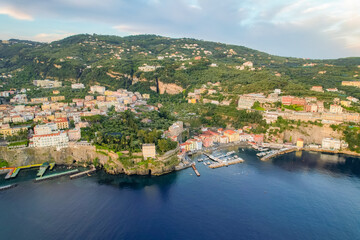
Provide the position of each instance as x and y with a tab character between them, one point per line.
81	174
55	175
195	170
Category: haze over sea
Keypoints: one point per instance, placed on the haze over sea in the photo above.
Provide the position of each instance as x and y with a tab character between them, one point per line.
301	195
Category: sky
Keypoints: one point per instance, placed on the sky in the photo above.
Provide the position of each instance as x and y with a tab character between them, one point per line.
292	28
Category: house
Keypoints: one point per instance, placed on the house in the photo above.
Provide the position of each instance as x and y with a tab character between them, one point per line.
149	151
224	139
258	138
97	89
77	86
317	88
300	143
207	142
232	135
334	108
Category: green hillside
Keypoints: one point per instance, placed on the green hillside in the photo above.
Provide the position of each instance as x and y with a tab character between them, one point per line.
114	62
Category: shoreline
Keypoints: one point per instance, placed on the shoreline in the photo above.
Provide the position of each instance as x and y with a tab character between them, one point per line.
344	152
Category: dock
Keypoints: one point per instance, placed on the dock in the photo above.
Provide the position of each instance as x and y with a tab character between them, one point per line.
195	170
226	163
55	175
16	170
42	169
52	165
182	166
81	174
279	152
8	187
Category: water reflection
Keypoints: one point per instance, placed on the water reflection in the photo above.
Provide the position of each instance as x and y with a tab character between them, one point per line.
328	163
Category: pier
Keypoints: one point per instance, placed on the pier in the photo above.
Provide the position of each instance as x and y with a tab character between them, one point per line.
279	152
81	174
226	163
195	170
42	169
16	170
55	175
7	187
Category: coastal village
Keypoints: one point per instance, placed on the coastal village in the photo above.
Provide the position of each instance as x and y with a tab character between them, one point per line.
54	122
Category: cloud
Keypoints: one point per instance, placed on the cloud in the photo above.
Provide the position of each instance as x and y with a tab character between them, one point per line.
15	13
303	28
49	37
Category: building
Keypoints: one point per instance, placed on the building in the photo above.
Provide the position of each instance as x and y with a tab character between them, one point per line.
336	109
74	134
39	100
62	123
232	135
97	89
47	83
351	83
7	131
147	68
245	102
57	139
149	151
45	129
286	100
57	98
300	143
331	144
77	86
317	88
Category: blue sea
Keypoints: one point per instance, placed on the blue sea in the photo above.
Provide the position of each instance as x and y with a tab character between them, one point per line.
301	195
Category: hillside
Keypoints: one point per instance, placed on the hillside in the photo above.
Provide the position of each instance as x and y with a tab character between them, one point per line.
184	63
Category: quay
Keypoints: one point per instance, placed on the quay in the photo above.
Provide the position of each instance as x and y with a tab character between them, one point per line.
278	153
55	175
8	187
226	163
81	174
195	170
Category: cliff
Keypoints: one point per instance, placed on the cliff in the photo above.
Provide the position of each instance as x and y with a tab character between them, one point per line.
86	155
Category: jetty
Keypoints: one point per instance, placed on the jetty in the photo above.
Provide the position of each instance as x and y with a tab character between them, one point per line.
43	169
226	163
182	166
8	187
55	175
81	174
16	170
278	152
195	170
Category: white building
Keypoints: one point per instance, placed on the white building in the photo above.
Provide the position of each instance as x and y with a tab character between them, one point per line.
97	89
77	86
336	108
45	129
58	139
331	144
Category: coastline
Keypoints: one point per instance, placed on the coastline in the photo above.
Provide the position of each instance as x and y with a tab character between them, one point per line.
344	152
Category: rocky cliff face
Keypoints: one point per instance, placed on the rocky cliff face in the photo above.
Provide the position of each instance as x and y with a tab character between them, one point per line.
84	155
169	88
311	134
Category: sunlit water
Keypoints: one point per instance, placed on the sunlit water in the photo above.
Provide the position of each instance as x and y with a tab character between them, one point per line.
300	195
